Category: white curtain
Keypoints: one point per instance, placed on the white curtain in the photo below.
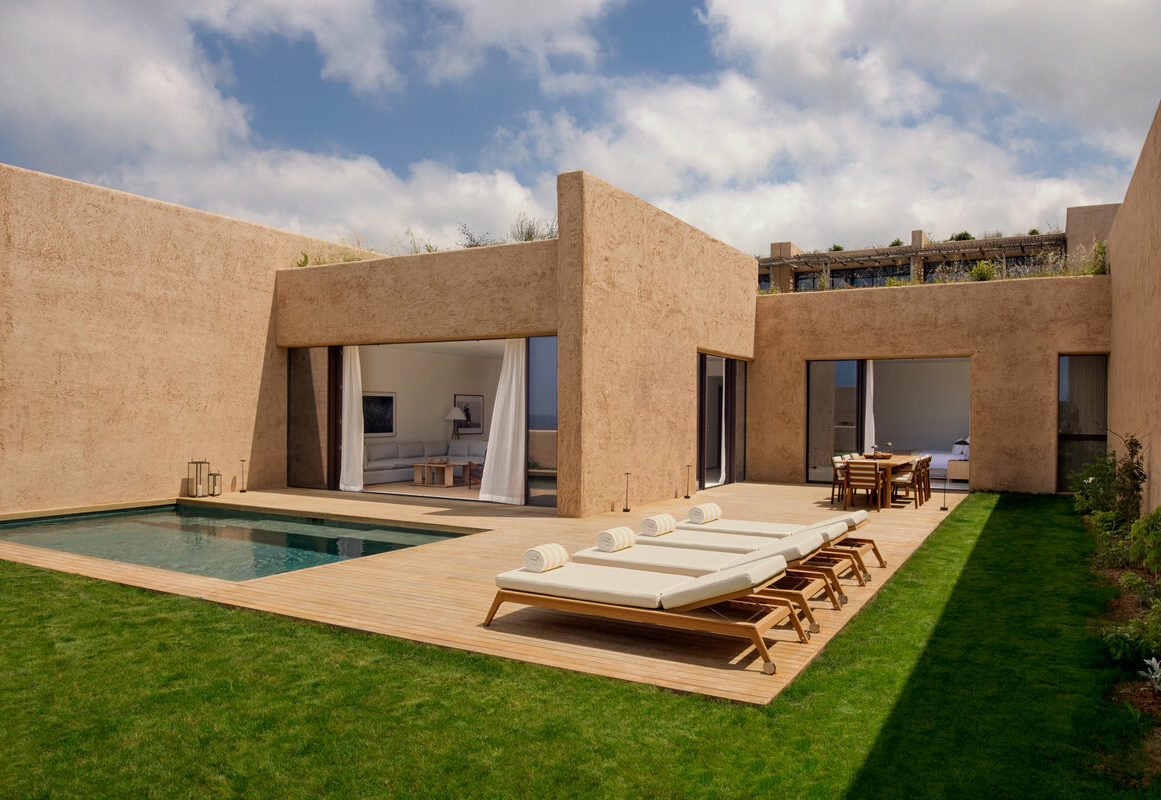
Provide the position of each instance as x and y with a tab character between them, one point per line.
351	465
504	466
869	406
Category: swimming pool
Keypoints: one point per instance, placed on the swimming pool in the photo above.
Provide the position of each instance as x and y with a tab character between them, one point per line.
232	545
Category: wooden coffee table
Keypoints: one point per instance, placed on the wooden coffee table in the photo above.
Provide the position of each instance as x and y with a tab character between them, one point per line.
428	474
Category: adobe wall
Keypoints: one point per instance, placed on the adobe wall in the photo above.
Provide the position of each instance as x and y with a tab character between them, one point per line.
641	294
1086	225
1012	330
502	291
135	335
1135	270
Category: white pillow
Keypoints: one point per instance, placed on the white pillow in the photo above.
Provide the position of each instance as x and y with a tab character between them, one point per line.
478	447
434	449
458	447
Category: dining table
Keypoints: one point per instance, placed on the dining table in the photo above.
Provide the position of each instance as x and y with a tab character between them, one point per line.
888	464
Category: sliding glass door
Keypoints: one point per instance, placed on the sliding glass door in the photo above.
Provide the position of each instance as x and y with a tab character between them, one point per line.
1083	414
834	413
721	400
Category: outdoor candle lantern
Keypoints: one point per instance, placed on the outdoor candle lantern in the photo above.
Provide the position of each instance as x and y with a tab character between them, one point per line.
215	484
198	473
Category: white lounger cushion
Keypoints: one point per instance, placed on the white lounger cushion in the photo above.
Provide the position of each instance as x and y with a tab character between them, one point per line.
640	589
623	587
744	526
685	561
709	540
724	583
672	560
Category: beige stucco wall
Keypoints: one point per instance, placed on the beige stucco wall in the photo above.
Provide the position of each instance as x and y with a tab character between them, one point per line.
480	293
1086	225
1012	330
134	335
1135	270
641	293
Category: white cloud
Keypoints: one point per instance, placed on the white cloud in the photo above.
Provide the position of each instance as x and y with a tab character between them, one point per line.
337	198
532	32
354	37
92	83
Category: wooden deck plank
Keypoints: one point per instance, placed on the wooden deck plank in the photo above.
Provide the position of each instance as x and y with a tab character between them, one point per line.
438	593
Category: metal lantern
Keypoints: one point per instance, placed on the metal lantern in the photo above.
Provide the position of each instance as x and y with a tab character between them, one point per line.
198	473
215	484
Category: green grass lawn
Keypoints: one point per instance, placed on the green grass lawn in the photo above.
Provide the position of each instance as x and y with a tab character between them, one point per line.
973	674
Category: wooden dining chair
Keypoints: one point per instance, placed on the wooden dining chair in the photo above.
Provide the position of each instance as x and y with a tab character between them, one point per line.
863	475
909	481
925	470
838	478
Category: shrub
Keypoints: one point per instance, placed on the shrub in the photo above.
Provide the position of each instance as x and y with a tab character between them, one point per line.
1146	592
1033	231
962	236
836	248
1109	484
1138	638
982	271
1145	541
1093	486
896	242
1096	262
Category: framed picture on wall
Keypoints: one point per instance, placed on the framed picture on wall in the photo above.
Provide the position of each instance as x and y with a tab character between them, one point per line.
473	407
378	415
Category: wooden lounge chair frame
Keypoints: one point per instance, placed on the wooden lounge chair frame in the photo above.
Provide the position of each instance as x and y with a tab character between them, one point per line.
746	615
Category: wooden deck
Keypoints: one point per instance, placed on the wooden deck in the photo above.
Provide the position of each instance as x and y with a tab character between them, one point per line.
439	593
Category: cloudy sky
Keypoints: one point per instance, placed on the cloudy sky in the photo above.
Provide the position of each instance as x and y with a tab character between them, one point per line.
820	121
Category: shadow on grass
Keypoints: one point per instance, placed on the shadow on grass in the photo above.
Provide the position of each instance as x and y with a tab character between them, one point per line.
1007	697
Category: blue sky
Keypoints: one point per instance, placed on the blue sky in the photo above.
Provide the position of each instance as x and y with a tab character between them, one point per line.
820	121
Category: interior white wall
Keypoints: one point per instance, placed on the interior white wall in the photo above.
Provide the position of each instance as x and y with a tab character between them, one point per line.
425	384
922	404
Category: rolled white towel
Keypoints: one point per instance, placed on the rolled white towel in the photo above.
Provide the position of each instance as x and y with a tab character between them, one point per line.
615	539
545	557
658	525
706	512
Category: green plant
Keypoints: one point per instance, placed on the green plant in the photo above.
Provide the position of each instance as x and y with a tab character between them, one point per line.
302	262
1145	592
1138	638
836	248
982	271
1145	541
896	242
1092	485
1033	231
1109	484
1096	261
962	236
771	289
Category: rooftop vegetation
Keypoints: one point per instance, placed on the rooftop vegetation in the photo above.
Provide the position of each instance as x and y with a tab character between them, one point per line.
972	673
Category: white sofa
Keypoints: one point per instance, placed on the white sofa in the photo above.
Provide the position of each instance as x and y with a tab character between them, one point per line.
387	462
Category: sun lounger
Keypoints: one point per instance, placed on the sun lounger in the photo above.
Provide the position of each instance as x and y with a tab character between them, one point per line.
843	545
728	602
813	571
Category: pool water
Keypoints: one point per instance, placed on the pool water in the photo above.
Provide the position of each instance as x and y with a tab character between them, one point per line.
234	546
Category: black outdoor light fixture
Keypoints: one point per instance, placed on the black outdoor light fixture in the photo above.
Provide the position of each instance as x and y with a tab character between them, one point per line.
243	478
688	467
626	508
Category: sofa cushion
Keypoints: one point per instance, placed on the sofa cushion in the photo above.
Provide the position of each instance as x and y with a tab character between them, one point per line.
378	451
410	449
434	449
478	447
458	447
